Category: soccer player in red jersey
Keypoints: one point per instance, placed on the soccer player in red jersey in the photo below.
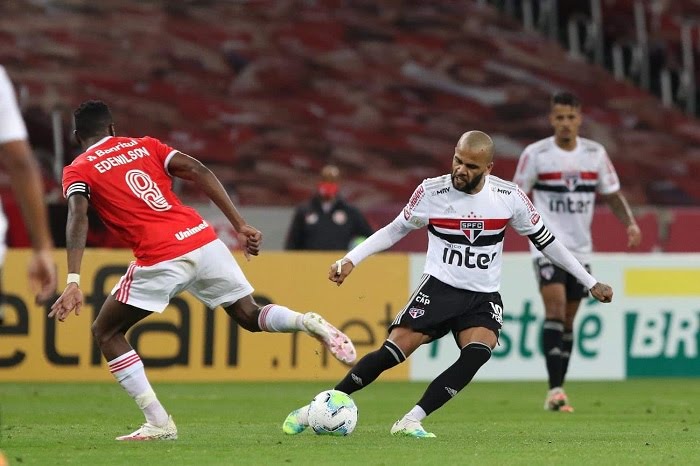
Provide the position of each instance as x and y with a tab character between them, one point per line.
129	183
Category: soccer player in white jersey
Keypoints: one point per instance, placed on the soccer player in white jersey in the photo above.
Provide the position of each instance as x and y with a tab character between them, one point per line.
564	172
129	183
466	213
24	174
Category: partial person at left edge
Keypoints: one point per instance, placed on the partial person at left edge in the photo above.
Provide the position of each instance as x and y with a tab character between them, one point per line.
25	176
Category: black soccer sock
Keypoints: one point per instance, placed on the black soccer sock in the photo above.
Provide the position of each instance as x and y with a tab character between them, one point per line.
369	367
552	331
567	346
456	377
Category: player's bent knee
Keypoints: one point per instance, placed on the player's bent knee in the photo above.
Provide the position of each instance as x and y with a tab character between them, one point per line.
101	334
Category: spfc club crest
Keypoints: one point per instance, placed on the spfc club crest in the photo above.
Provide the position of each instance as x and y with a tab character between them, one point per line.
471	229
415	312
547	272
571	180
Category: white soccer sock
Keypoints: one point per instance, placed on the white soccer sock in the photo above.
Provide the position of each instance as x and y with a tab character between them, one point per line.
417	413
276	318
129	372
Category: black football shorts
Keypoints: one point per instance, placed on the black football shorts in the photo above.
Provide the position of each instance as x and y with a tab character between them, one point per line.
436	308
548	273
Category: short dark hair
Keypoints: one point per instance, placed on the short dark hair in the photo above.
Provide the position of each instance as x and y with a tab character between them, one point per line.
92	118
565	98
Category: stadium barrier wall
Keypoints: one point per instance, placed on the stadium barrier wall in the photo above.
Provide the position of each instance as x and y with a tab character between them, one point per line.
652	328
190	343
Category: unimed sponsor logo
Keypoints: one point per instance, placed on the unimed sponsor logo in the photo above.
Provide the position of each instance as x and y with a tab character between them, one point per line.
663	342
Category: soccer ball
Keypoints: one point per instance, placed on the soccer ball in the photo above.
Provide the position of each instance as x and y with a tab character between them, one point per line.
333	412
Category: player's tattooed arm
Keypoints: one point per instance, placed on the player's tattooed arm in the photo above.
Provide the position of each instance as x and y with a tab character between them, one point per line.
71	300
76	231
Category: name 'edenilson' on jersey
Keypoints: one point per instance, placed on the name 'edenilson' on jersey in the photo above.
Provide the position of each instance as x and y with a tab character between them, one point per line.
121	159
466	231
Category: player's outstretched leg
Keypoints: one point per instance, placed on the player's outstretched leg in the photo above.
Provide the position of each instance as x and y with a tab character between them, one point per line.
337	342
274	318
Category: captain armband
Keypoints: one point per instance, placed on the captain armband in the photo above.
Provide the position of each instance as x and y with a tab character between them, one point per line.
79	187
542	238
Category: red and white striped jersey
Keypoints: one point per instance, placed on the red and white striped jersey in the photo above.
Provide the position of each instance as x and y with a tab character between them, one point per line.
564	185
466	231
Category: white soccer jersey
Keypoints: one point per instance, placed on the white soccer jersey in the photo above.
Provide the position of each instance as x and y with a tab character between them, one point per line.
11	129
11	124
466	231
564	184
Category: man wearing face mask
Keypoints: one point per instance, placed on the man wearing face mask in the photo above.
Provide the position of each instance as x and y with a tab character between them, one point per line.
327	222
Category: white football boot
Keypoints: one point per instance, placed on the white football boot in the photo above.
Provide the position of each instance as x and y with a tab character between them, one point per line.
150	432
337	342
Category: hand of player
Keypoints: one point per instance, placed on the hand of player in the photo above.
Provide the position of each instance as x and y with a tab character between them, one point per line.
602	292
71	299
634	236
339	271
42	275
252	239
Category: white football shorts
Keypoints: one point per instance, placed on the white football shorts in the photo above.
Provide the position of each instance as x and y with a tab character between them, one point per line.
210	273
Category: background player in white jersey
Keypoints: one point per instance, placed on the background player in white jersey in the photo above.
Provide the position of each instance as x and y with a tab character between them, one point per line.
466	213
128	181
564	172
23	172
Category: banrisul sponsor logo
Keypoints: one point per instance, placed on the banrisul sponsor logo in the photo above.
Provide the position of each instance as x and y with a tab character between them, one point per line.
663	342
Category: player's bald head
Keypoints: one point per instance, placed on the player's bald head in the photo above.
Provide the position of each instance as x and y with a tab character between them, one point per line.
476	142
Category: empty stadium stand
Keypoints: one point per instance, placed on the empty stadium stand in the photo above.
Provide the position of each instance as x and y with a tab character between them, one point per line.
268	91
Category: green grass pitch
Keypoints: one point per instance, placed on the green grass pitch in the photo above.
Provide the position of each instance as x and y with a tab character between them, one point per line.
654	421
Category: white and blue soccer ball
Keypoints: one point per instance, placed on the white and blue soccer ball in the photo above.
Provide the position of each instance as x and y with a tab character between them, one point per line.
333	412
